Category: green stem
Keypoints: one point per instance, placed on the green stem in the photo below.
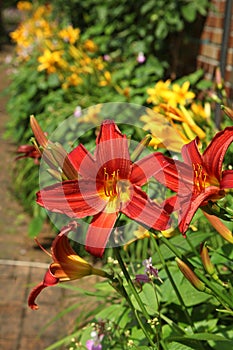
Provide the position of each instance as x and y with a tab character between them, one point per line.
220	296
192	247
159	317
135	294
189	319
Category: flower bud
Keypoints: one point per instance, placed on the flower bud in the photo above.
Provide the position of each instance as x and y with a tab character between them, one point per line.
140	147
209	267
190	275
228	111
218	78
219	226
63	161
38	132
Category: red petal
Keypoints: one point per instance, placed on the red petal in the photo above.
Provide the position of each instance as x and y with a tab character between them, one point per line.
82	161
191	154
174	174
145	168
77	199
171	204
112	150
227	179
215	152
61	248
99	231
49	280
189	206
144	211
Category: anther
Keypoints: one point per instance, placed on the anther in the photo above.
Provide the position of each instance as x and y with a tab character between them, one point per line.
110	183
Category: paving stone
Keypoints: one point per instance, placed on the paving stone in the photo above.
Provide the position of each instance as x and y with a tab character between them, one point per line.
10	320
19	325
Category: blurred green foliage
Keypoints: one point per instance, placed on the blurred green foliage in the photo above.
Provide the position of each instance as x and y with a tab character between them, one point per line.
161	29
121	29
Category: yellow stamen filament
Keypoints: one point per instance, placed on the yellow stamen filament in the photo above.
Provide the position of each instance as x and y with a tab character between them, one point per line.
199	178
110	183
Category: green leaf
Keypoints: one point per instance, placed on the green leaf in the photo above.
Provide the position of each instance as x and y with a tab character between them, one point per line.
148	298
189	294
199	336
113	313
148	6
53	80
35	226
161	30
189	12
178	346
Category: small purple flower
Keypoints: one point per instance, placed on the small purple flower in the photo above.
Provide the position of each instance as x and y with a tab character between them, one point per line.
142	278
90	344
78	112
141	57
106	58
149	269
95	342
150	272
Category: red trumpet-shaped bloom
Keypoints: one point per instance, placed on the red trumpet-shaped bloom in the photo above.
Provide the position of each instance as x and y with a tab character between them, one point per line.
108	183
66	265
199	179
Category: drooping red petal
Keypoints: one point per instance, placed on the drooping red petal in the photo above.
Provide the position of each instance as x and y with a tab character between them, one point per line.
227	179
190	153
83	161
61	248
145	168
49	280
214	154
141	209
190	205
174	174
99	231
75	198
112	150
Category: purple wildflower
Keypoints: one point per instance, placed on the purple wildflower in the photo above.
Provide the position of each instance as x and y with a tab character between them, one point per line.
141	57
78	112
106	57
150	272
95	342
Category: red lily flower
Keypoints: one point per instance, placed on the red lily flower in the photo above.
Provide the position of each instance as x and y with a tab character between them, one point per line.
29	151
108	183
199	178
66	266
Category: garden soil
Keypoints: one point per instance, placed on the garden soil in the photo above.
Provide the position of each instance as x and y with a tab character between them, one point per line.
23	263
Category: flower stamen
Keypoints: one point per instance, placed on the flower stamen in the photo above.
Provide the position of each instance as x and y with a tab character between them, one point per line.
199	178
110	183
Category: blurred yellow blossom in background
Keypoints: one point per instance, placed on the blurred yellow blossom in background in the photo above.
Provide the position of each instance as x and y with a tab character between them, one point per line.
175	117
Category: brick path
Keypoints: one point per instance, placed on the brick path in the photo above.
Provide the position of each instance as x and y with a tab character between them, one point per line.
20	326
22	266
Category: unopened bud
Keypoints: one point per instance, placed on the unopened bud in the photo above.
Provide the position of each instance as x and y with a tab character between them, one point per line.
218	78
63	161
38	132
228	111
140	147
190	275
219	226
214	97
209	267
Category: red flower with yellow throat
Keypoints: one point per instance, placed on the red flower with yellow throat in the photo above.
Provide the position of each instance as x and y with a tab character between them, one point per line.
108	183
